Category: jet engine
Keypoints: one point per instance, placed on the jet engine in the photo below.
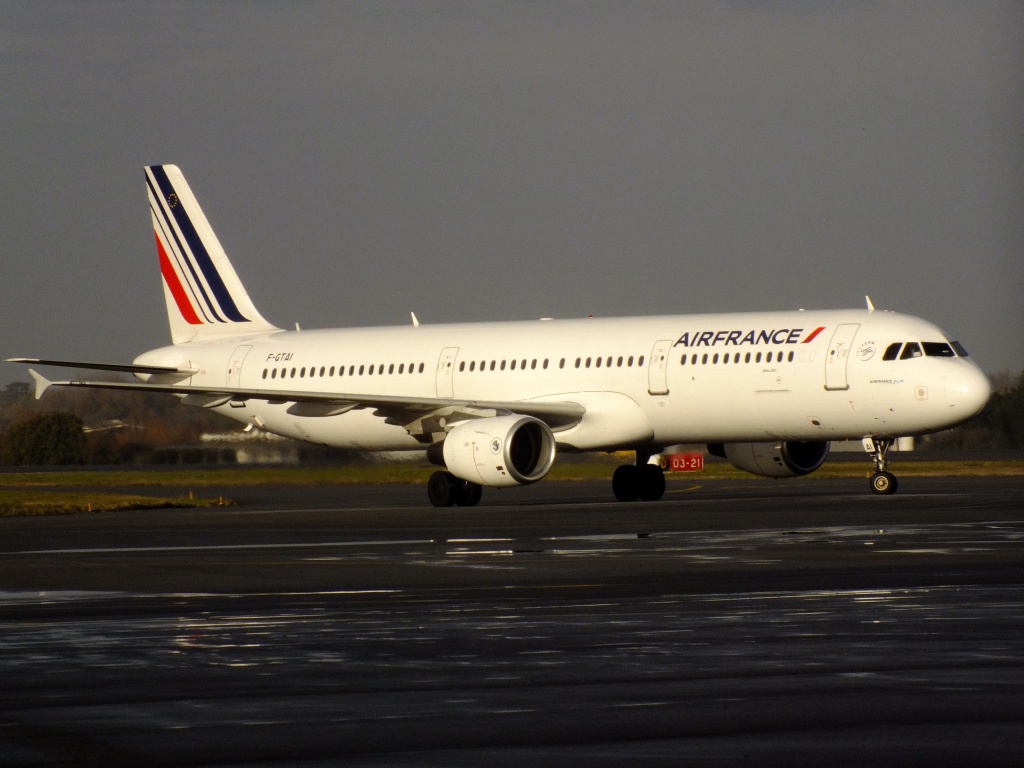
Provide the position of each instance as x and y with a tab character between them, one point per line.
791	459
500	451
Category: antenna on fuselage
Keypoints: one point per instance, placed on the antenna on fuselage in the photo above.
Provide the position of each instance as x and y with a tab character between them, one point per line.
415	322
871	307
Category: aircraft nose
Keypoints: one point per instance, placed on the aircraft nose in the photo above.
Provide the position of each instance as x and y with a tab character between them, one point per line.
967	392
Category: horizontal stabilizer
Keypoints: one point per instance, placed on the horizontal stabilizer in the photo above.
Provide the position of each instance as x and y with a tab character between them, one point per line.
42	383
115	367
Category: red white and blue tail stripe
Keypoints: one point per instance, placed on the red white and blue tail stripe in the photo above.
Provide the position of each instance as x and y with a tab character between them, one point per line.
204	296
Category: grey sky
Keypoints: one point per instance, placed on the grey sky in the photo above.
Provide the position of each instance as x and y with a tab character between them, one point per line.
510	160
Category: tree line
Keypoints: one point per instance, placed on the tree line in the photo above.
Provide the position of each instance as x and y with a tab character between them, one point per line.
94	426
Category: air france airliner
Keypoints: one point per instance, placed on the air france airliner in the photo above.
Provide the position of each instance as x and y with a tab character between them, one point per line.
492	403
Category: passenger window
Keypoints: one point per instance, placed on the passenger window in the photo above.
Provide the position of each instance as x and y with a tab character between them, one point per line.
640	361
912	349
513	365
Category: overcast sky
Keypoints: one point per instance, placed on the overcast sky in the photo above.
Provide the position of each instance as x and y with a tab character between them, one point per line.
513	160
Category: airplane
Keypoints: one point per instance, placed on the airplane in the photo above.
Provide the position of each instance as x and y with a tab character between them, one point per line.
492	403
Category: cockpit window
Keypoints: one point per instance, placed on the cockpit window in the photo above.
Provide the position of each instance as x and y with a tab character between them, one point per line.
959	348
892	351
937	349
912	349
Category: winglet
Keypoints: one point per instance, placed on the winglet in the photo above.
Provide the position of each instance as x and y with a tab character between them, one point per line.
42	383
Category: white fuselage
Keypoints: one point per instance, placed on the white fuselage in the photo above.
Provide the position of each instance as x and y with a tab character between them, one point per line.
646	381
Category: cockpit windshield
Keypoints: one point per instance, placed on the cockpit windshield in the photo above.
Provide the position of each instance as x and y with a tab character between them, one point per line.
938	349
911	349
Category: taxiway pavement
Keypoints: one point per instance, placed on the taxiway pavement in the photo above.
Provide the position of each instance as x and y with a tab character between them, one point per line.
733	622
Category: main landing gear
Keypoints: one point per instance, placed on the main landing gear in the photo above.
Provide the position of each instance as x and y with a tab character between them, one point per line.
882	482
639	481
445	489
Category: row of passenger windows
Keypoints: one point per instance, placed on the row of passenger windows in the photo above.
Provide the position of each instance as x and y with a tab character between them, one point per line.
484	365
324	371
522	365
926	348
736	357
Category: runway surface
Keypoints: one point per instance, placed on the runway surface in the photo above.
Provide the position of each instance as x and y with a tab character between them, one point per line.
734	622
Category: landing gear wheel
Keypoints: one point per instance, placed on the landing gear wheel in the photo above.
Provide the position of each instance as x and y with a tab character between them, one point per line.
442	488
468	494
883	483
626	483
652	482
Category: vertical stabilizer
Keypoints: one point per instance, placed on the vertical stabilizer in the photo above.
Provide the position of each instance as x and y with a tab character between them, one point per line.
205	298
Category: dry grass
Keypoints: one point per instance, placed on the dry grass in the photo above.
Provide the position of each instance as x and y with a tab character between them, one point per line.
35	502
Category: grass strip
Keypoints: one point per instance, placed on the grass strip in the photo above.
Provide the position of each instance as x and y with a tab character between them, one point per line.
418	474
36	502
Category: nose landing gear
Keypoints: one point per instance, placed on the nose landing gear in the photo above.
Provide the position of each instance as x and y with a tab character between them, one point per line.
882	482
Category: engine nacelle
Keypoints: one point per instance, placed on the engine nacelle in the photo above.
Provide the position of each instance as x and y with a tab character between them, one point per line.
501	451
791	459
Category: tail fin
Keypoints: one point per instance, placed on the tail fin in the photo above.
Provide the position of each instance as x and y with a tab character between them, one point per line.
205	298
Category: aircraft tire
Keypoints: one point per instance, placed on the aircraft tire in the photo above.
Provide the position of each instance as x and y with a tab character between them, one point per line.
884	483
652	482
626	483
442	488
468	494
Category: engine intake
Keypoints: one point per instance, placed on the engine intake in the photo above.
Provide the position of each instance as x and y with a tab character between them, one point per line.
500	451
791	459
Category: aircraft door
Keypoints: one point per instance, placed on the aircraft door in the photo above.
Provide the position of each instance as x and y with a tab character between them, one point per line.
234	376
446	372
657	370
838	355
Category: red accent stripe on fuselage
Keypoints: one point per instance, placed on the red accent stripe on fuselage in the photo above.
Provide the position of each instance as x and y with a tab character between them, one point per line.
814	333
175	286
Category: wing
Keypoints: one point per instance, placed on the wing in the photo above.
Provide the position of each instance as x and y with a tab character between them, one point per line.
152	369
420	416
